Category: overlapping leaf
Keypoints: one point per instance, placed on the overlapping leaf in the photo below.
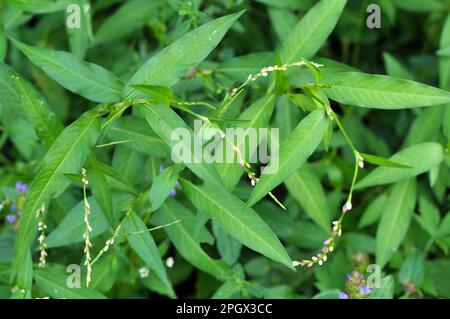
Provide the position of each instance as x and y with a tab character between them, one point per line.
238	220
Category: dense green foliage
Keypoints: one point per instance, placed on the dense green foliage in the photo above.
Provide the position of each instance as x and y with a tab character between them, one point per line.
91	195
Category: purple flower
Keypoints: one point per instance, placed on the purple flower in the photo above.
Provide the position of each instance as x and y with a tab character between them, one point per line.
11	218
343	295
13	207
347	276
21	187
364	290
173	192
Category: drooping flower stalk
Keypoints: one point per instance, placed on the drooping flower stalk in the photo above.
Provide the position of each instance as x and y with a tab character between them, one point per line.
336	231
41	239
88	230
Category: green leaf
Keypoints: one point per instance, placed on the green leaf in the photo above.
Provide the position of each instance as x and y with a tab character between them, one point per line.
86	79
373	211
429	217
133	132
283	22
386	289
163	185
36	110
280	77
39	6
66	155
422	6
426	126
312	31
167	66
54	284
239	221
444	61
412	269
71	229
79	38
164	121
287	4
228	247
293	153
182	235
3	39
101	190
327	294
228	290
255	116
143	244
305	187
395	68
116	180
239	68
129	163
125	20
376	160
395	220
382	92
161	94
8	92
420	157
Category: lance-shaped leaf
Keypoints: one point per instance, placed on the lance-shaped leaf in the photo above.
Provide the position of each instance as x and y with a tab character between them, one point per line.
143	244
86	79
381	91
71	229
101	189
305	187
66	155
167	66
187	244
255	117
55	285
444	73
80	37
126	19
426	126
38	112
8	92
240	221
420	158
312	31
166	123
133	132
19	94
395	219
293	153
39	6
444	61
163	186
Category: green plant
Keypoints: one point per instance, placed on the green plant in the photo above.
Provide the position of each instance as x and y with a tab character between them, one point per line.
89	147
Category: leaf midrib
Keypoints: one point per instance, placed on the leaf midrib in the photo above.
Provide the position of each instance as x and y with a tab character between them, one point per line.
408	94
78	75
43	190
235	219
42	118
310	31
173	61
398	206
196	245
250	126
310	196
